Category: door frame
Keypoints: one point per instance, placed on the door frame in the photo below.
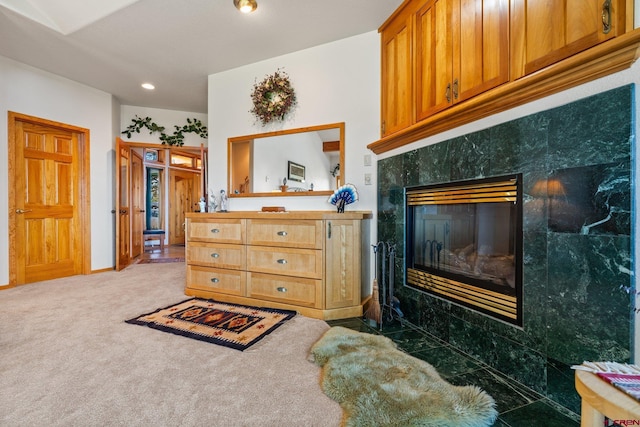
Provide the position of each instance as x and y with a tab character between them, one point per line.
84	208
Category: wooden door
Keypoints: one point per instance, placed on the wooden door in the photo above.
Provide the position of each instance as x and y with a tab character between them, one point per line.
137	204
342	264
48	223
184	188
480	46
123	236
396	75
434	63
557	29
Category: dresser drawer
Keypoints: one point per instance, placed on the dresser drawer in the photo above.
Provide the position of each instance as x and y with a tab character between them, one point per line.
217	255
288	261
298	234
232	282
216	230
290	290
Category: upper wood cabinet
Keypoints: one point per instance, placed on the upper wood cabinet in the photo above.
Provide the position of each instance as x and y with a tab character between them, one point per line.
446	63
396	74
545	32
462	49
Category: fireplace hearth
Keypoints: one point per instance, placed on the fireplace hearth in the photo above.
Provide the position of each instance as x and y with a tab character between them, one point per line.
464	244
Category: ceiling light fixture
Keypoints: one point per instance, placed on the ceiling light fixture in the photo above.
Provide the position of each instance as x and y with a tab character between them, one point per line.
148	86
245	6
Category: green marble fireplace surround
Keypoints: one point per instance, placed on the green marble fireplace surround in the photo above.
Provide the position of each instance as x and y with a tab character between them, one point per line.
577	167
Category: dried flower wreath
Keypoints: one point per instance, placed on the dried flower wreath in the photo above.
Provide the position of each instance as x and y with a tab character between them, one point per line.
273	97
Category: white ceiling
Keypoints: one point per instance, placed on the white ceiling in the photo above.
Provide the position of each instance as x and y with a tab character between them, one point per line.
115	45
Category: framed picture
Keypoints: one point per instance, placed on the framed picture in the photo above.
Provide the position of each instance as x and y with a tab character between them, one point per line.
151	155
296	172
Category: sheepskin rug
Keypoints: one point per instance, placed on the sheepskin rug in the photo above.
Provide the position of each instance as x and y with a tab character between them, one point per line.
379	385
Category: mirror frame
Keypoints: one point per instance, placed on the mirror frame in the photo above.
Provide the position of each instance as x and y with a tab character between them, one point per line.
245	138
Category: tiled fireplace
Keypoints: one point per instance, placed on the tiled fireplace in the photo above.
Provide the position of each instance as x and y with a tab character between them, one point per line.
576	167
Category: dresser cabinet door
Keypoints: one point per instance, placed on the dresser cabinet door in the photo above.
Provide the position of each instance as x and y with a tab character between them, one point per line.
342	263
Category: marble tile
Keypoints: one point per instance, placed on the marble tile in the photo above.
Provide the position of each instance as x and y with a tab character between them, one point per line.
561	385
508	394
591	131
589	284
538	414
470	156
411	340
447	361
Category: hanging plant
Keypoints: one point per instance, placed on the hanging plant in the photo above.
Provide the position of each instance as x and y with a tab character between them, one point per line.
273	98
177	139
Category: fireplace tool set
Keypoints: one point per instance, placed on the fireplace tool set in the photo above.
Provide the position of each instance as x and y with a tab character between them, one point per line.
384	306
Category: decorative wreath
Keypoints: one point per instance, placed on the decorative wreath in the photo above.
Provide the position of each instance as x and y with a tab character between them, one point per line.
273	97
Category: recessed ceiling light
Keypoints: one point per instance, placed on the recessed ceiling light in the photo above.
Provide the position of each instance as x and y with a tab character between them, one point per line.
148	86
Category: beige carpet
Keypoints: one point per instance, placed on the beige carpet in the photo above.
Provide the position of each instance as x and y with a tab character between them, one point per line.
67	358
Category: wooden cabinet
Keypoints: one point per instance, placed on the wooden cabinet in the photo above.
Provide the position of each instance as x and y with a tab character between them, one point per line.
546	32
436	53
305	261
396	73
488	56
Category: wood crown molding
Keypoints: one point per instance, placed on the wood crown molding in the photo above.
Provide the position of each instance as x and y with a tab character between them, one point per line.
602	60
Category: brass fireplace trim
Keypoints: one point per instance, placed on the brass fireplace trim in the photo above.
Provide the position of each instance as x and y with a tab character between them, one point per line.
487	192
495	302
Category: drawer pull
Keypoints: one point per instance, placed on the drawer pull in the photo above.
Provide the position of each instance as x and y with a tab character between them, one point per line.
214	280
215	255
282	261
281	233
281	289
215	230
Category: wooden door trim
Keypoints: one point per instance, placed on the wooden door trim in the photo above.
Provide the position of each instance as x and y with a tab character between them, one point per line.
83	192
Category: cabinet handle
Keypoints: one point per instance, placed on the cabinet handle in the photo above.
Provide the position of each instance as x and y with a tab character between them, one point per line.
214	280
447	94
215	255
455	89
281	233
606	16
281	289
281	261
329	230
21	211
215	230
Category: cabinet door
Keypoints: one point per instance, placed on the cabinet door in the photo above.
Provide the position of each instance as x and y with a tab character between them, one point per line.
557	29
396	76
434	50
342	264
480	46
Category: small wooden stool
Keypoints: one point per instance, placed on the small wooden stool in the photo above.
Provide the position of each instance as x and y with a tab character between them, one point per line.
148	235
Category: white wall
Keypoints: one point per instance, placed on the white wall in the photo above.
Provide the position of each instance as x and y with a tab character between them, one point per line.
335	82
27	90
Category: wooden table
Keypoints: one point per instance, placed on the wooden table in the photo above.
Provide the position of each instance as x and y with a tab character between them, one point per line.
601	399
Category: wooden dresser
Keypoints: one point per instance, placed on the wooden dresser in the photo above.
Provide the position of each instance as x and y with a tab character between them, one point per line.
307	261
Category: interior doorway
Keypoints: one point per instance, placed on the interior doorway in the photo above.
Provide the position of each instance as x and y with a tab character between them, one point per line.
155	192
49	222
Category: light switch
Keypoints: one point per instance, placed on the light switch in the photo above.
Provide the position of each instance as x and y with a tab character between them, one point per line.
367	159
367	179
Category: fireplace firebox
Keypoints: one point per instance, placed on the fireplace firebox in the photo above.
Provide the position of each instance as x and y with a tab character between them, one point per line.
464	244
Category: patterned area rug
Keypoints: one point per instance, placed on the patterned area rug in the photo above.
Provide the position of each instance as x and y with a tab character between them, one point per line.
159	260
230	325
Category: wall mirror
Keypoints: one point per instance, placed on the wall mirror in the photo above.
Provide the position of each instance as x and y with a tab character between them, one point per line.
296	162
